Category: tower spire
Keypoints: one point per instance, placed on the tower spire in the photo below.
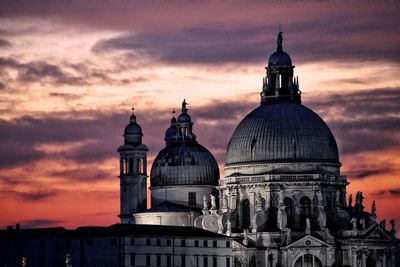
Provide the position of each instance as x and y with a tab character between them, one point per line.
279	41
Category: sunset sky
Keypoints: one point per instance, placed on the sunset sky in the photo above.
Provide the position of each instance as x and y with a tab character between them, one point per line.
71	70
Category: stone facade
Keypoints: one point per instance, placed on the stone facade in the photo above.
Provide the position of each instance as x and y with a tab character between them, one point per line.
283	198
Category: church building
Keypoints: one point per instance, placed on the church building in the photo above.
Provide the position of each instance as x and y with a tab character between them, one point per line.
283	198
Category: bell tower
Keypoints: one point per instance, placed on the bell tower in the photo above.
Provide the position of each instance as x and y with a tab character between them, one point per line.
133	172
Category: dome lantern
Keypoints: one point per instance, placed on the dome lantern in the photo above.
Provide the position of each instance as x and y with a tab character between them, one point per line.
279	85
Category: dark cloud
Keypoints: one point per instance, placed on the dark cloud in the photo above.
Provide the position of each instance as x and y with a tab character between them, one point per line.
40	223
368	171
66	96
241	43
34	195
195	45
80	75
99	132
366	120
41	71
82	174
4	43
395	192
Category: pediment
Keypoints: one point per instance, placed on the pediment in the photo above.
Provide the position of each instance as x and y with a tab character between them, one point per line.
378	234
308	241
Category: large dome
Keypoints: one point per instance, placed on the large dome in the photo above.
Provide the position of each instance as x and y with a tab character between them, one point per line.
283	132
184	164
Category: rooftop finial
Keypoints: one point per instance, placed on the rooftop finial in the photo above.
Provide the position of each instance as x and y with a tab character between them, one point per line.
279	41
184	104
173	113
133	117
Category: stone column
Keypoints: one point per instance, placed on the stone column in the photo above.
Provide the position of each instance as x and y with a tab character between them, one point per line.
266	257
384	259
354	257
364	259
393	261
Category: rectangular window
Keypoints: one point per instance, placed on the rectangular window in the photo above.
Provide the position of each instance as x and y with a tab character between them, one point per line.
228	244
228	262
168	242
132	241
148	260
214	261
133	259
148	242
158	260
89	242
205	264
158	242
205	243
183	243
192	199
183	261
168	260
215	243
196	243
42	260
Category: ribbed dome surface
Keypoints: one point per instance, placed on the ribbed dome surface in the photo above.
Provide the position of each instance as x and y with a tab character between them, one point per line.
285	132
184	164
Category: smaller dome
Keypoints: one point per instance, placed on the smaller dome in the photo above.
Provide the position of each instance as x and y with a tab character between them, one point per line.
184	117
279	58
133	128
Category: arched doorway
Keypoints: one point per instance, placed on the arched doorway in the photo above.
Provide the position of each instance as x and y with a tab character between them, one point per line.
245	214
305	211
371	261
308	260
289	211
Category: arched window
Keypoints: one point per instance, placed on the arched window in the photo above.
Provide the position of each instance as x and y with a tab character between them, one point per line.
305	210
124	166
130	167
289	211
245	214
140	166
308	260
